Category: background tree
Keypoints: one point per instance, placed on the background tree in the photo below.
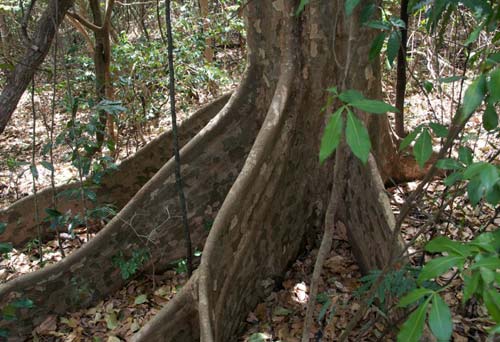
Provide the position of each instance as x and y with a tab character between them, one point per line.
35	53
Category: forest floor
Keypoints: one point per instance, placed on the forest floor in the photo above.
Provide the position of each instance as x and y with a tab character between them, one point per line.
279	317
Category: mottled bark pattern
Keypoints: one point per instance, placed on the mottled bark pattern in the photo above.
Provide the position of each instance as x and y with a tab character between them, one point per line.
260	226
257	161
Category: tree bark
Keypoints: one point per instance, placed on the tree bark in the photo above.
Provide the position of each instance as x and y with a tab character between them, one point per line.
254	169
5	39
204	11
102	66
34	55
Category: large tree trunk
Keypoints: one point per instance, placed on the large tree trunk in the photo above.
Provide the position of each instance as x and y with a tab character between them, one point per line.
33	57
255	166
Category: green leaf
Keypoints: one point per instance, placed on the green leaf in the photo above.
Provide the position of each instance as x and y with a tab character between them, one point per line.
422	150
331	136
23	303
411	331
34	171
450	79
474	35
377	45
3	226
471	284
439	130
475	191
491	262
487	275
141	299
440	319
494	85
489	241
488	174
302	4
465	155
490	118
397	22
492	301
281	311
493	195
5	247
258	337
436	11
474	169
333	90
444	244
357	137
324	309
53	212
367	12
9	312
350	95
438	266
414	296
409	138
379	25
111	320
47	165
495	331
91	195
449	164
428	86
474	96
350	5
453	178
373	106
4	333
393	45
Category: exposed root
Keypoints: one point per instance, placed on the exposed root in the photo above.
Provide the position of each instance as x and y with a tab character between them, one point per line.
118	187
148	223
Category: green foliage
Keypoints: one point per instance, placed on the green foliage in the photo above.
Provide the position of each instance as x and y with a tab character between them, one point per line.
301	6
350	5
411	331
258	337
140	64
422	150
357	137
9	311
5	247
129	266
356	134
331	136
478	261
474	96
483	178
181	266
394	285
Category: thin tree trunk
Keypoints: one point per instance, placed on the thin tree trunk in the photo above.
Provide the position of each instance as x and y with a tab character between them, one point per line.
34	55
5	39
204	11
102	65
401	73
